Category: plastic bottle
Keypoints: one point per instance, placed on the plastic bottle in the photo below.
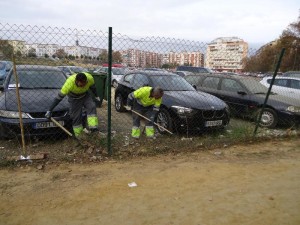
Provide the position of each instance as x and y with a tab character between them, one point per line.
126	141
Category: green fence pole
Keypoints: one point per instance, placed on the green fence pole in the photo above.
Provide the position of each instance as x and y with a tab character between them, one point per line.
109	90
269	91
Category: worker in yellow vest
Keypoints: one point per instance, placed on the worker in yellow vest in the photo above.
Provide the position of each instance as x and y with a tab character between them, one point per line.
76	87
146	101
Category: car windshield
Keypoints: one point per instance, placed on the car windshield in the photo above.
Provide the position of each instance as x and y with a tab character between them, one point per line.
2	66
78	69
118	71
38	79
171	83
254	86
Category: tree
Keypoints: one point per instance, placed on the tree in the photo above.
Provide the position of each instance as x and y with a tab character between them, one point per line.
32	52
290	39
117	57
103	57
60	53
71	57
6	50
19	54
165	66
266	57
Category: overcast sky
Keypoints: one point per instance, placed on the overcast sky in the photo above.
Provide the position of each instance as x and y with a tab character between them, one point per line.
255	21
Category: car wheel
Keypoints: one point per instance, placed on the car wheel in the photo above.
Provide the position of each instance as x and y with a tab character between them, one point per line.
115	83
268	119
119	104
164	119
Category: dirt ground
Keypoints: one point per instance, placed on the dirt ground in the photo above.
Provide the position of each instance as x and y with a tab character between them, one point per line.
243	184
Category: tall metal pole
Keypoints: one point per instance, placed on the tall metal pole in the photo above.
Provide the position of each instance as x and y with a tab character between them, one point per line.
269	91
108	80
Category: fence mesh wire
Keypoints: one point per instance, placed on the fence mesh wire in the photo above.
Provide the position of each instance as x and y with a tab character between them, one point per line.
46	56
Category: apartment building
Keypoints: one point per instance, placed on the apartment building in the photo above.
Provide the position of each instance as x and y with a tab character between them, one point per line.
187	58
226	54
139	58
40	50
51	49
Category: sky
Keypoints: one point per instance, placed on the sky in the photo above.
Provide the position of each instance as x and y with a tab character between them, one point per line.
254	21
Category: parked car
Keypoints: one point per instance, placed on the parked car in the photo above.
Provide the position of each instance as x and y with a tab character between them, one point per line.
69	70
194	69
291	74
183	73
5	67
287	86
183	108
116	74
245	97
38	86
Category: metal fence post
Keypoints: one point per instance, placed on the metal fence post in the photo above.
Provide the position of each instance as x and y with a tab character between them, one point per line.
269	91
109	90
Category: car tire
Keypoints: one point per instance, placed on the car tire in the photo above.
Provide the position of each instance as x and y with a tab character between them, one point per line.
269	118
164	119
119	103
115	83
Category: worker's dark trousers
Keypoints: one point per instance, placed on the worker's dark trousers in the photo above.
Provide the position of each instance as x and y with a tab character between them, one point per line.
145	111
76	106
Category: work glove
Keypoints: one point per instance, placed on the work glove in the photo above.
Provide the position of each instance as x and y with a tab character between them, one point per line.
98	102
155	108
128	107
48	114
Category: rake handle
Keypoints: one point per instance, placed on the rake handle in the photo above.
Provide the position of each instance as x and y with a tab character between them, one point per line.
59	125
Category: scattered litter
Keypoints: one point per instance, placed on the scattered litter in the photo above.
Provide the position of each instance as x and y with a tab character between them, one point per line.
186	139
86	131
126	141
132	184
1	147
217	153
40	167
24	157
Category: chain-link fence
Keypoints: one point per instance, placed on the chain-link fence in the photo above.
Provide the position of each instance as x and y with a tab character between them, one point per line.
206	89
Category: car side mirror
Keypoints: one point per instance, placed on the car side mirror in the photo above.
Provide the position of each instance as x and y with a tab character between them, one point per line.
242	93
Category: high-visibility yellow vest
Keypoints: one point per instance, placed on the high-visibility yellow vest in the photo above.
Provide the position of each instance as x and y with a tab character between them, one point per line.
143	96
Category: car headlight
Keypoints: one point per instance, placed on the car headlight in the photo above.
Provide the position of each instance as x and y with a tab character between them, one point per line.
294	109
12	114
182	110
